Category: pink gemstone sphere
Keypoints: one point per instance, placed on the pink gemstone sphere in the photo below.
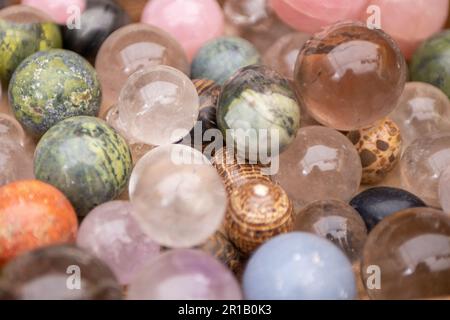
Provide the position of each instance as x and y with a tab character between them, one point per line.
410	22
444	190
185	275
310	16
191	22
59	10
111	233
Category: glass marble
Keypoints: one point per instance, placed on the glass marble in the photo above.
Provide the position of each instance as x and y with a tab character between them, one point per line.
299	266
16	151
158	106
349	76
431	62
411	248
191	22
377	203
111	233
19	40
422	164
24	14
33	215
380	149
132	48
85	159
178	197
311	16
411	22
185	275
258	210
220	58
48	274
259	104
247	14
220	247
236	171
282	55
336	221
422	110
321	164
98	21
59	10
444	190
51	86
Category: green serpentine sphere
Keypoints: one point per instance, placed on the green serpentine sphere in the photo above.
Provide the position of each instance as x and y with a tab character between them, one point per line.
261	109
431	62
20	40
53	85
85	159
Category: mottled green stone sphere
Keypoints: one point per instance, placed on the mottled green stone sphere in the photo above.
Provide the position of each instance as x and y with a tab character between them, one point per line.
431	62
220	58
20	40
84	158
258	112
51	86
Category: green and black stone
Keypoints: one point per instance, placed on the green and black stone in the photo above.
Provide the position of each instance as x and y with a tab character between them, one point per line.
20	40
258	99
86	159
431	62
220	58
51	86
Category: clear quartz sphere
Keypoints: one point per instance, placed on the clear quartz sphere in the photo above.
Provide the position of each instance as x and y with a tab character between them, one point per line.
422	164
179	198
158	105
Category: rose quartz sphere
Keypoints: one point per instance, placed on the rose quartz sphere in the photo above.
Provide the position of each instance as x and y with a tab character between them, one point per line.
191	22
410	22
59	10
310	16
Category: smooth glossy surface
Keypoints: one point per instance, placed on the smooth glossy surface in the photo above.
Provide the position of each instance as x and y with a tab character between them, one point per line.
158	106
444	190
323	162
130	49
380	149
51	274
431	63
191	22
349	76
98	21
377	203
178	197
311	16
299	266
260	104
33	215
185	275
24	14
336	221
258	210
112	234
220	58
51	86
59	10
411	249
85	159
422	110
410	22
423	163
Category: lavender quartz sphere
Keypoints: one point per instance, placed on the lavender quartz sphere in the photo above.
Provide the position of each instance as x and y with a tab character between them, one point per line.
111	233
185	275
299	266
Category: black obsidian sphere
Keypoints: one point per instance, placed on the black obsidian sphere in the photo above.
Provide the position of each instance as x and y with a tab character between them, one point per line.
98	21
377	203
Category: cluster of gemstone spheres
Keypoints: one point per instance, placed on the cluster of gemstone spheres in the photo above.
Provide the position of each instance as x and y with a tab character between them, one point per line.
225	150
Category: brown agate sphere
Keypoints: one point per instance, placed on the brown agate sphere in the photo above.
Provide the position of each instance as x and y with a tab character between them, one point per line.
380	149
349	76
336	221
409	254
258	210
